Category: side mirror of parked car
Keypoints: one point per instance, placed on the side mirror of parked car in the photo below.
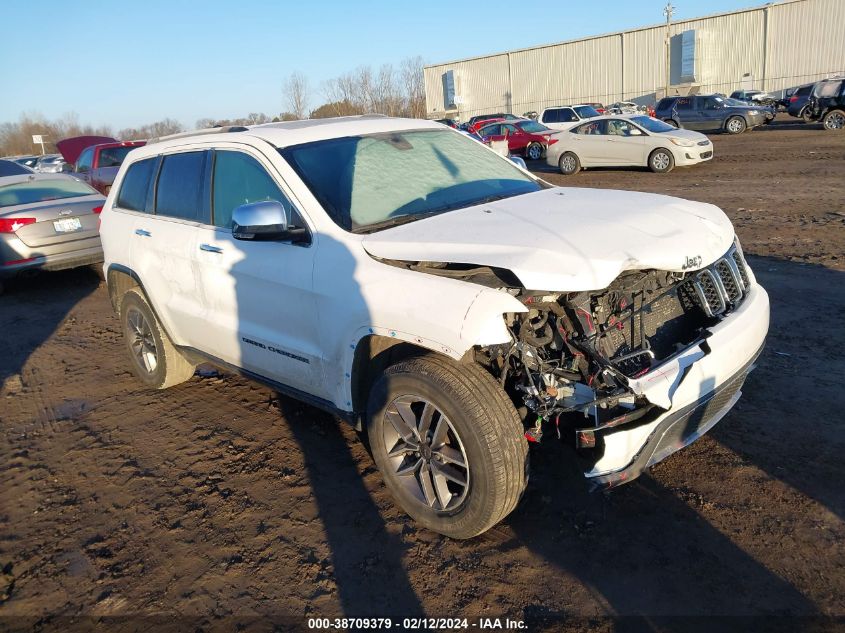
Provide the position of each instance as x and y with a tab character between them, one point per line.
266	220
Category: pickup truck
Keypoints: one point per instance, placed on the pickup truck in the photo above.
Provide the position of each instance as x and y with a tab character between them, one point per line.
96	159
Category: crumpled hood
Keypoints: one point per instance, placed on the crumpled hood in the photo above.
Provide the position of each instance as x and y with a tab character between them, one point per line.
566	239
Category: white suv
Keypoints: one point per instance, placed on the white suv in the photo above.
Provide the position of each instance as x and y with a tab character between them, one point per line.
415	283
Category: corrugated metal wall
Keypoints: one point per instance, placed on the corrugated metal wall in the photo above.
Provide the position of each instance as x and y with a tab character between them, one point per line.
773	47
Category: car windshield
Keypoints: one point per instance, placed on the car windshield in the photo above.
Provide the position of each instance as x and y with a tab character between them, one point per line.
113	156
378	180
651	124
586	112
30	191
532	127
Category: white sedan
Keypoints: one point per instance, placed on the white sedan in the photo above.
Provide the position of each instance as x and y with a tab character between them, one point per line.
627	140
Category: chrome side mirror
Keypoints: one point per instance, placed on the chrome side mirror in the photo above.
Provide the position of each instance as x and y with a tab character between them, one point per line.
266	220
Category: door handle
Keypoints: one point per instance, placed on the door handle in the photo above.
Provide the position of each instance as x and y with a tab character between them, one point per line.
143	233
211	249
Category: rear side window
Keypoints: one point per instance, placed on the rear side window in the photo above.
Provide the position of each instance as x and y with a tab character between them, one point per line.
136	185
664	104
803	91
240	179
180	186
684	104
566	115
551	116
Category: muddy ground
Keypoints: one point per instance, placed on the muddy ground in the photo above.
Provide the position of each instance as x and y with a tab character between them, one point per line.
217	501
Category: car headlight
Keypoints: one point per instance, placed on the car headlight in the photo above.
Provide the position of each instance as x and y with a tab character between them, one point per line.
682	142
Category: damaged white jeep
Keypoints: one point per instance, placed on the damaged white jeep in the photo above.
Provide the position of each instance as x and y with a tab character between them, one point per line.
410	280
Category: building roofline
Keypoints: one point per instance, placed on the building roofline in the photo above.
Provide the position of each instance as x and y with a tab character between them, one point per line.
612	34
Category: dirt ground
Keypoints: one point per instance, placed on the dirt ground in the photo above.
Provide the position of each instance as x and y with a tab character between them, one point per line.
217	504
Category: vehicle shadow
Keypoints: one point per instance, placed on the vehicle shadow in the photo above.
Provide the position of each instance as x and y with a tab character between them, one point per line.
366	559
31	308
788	422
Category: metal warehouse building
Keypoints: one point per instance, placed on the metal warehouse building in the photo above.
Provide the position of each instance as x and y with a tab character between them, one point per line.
773	47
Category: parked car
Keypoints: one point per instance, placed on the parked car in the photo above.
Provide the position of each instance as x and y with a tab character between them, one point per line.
409	280
797	105
625	107
96	163
480	123
564	117
598	107
448	122
47	222
755	97
26	161
709	112
474	120
11	168
627	140
524	138
51	164
827	103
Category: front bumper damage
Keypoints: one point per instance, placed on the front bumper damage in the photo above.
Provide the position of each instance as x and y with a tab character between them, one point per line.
700	385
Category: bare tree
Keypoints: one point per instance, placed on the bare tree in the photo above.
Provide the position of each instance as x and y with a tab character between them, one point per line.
296	92
413	83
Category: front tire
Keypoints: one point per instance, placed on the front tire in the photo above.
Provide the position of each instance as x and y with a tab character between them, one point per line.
661	161
534	151
448	443
569	164
154	359
834	120
735	125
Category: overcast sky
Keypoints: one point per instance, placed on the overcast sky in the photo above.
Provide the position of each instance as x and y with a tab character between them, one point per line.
129	63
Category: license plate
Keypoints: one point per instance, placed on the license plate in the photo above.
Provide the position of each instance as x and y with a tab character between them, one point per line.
66	225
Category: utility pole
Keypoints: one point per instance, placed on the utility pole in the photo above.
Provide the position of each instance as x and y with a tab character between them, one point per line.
668	11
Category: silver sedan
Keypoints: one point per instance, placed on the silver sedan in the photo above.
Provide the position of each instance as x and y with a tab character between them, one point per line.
625	141
48	222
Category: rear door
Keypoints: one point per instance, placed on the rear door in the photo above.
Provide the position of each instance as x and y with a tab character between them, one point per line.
164	242
684	111
590	143
259	309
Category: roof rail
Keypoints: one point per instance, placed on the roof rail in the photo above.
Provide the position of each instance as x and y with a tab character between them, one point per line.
212	130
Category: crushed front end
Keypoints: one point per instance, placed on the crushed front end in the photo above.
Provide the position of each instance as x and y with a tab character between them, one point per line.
633	372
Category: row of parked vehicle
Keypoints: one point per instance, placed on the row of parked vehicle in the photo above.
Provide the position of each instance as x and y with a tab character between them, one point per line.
50	205
578	136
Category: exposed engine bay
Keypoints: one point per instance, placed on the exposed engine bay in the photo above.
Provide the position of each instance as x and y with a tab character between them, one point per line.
573	356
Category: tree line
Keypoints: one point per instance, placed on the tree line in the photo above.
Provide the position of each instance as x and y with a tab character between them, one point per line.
391	90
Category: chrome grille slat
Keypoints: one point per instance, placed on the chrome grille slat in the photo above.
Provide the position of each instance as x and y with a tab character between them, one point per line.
722	285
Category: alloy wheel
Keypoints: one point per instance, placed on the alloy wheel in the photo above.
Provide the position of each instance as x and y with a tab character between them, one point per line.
141	341
735	125
661	161
835	121
425	452
534	152
568	164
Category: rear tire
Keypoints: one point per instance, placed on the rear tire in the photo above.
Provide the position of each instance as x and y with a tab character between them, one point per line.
735	125
448	443
806	115
569	164
534	151
834	120
661	161
153	357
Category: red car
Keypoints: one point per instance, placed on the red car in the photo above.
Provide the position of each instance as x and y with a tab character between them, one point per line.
480	123
96	159
528	138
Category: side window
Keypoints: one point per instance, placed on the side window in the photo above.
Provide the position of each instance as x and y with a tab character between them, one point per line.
683	104
180	186
551	116
592	128
510	130
618	127
709	103
490	130
135	187
566	115
240	179
85	160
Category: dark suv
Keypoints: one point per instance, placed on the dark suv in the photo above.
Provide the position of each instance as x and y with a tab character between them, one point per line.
710	113
828	103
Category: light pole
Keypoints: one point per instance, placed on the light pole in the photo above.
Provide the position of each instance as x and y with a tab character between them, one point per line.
668	11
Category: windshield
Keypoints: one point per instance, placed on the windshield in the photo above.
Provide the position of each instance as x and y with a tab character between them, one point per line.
532	127
586	112
31	191
113	156
652	125
369	182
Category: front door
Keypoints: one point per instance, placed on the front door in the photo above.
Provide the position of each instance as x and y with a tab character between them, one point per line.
259	306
